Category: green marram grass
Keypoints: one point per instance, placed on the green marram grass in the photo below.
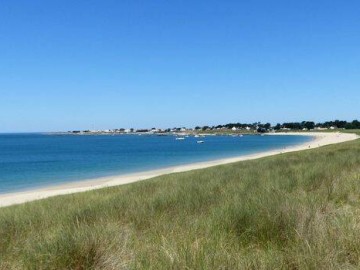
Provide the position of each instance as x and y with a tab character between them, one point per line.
292	211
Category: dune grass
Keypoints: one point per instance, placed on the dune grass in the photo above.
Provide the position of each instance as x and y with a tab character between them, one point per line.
292	211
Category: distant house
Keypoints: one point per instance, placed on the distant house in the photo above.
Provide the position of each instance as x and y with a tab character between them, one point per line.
234	128
332	128
248	128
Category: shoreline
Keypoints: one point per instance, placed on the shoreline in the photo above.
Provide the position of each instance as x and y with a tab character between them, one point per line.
319	139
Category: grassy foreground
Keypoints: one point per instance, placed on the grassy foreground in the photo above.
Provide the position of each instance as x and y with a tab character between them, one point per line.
292	211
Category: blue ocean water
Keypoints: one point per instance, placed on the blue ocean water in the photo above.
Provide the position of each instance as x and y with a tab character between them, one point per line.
29	161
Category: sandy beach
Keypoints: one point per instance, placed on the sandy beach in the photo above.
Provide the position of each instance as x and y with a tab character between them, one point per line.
320	139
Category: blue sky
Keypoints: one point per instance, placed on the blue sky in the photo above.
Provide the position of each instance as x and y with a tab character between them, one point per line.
110	64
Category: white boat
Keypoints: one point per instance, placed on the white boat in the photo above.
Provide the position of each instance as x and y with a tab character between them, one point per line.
200	142
179	138
196	136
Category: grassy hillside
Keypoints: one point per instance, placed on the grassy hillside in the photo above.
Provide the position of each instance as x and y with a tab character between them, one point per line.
297	210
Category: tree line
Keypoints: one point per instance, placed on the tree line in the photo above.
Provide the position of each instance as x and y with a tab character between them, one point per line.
337	124
312	125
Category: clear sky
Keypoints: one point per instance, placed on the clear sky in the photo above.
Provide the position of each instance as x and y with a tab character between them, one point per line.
110	64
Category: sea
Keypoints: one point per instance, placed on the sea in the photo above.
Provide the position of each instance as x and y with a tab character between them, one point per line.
31	161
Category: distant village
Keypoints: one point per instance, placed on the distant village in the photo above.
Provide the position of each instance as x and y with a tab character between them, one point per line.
231	128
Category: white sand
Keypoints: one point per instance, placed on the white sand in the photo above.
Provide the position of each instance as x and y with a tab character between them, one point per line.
320	139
